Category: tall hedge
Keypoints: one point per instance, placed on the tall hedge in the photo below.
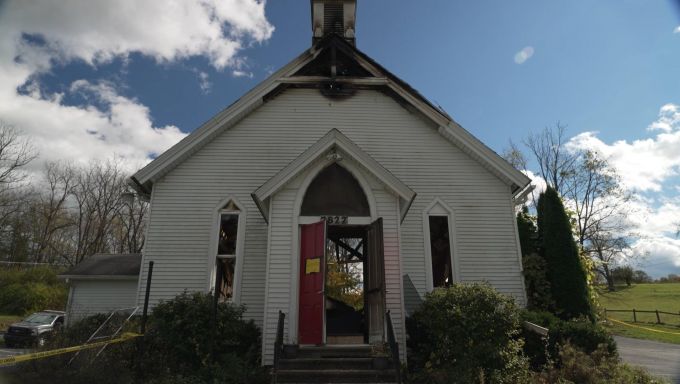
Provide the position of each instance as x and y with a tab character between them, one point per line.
527	232
567	277
534	265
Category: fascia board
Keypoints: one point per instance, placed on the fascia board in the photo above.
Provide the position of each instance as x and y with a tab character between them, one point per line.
496	163
275	183
333	138
385	176
234	113
460	137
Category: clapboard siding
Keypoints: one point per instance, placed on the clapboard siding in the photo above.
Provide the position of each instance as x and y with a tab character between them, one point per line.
280	269
241	159
100	296
388	208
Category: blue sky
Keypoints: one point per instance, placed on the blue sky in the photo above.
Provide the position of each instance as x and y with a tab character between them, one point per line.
609	69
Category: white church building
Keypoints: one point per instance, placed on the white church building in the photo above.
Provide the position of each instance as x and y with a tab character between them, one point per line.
330	167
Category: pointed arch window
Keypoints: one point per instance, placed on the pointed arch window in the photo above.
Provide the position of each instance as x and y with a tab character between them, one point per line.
335	191
230	236
442	270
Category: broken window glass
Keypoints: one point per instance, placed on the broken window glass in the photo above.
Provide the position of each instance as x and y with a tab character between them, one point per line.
225	284
440	246
228	233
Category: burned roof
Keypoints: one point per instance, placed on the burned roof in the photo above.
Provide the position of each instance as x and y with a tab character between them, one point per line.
106	265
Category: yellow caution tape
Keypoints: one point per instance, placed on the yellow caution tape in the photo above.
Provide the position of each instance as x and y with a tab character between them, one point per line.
39	355
645	328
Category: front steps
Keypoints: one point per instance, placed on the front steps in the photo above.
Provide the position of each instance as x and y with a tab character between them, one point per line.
334	364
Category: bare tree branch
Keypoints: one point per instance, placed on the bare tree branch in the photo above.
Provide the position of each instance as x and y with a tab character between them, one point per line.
555	162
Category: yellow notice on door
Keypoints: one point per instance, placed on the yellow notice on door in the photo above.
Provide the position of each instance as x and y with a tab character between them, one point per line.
313	266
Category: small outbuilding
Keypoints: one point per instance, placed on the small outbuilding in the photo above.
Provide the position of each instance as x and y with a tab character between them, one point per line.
101	284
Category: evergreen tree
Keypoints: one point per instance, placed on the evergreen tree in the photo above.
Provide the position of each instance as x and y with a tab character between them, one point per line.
567	277
534	266
527	232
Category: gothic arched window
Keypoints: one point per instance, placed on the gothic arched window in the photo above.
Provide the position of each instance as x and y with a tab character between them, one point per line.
335	191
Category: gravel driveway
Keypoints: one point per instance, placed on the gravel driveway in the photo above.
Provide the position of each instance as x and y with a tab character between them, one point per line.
660	359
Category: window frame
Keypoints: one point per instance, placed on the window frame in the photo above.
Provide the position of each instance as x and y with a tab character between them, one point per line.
238	251
439	208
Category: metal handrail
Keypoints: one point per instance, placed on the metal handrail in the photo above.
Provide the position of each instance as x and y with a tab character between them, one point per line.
394	347
278	343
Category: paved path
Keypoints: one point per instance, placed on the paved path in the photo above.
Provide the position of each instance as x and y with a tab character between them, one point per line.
660	359
6	352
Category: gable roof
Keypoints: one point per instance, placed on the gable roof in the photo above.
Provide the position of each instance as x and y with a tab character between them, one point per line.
357	70
106	266
334	139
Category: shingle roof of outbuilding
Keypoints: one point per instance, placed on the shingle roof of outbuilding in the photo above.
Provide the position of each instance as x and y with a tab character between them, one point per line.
106	265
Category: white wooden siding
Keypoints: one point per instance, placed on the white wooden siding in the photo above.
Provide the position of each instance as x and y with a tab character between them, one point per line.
241	159
89	297
283	263
280	269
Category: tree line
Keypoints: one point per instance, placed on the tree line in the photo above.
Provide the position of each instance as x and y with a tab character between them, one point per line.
594	199
627	275
64	212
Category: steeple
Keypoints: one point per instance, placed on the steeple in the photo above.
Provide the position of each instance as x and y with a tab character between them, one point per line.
333	16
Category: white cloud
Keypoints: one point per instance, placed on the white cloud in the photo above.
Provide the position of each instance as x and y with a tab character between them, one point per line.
240	73
669	119
36	35
205	83
650	218
643	164
524	55
539	185
97	31
648	166
659	256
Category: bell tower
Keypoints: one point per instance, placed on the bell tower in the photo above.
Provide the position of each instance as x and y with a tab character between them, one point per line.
333	16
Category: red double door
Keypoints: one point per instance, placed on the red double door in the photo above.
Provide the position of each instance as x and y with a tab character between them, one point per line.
312	283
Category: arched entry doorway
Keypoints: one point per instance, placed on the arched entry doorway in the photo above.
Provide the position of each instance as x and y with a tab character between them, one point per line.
341	291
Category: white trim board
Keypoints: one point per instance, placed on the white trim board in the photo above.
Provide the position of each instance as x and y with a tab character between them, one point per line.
333	140
295	244
143	180
240	245
439	208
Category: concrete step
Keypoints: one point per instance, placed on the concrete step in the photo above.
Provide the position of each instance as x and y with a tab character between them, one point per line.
335	376
329	351
355	363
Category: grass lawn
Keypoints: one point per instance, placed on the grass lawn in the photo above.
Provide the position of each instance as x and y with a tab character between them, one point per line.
5	322
648	297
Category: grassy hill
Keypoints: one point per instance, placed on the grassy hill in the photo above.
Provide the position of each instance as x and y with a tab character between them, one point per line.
649	297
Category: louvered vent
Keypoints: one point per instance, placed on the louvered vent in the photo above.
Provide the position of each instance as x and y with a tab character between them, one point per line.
333	20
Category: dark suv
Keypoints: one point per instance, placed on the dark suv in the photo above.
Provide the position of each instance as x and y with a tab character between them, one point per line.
34	329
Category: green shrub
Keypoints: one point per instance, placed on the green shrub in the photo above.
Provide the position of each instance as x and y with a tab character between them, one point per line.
180	345
597	367
566	274
527	231
30	290
536	282
583	334
113	365
465	334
